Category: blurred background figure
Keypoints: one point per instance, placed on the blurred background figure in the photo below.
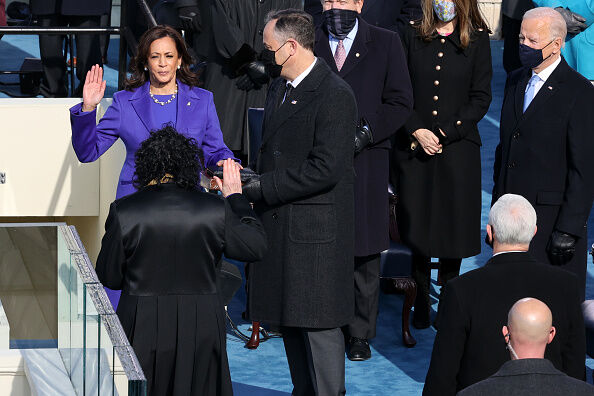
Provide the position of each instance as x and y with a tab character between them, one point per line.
512	12
437	152
2	13
73	13
528	332
230	41
163	246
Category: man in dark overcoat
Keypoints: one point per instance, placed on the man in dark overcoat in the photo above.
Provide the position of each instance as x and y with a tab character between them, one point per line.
231	30
388	14
305	200
545	145
469	346
73	13
375	68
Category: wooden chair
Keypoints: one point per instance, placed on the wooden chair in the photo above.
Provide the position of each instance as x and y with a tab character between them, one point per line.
396	273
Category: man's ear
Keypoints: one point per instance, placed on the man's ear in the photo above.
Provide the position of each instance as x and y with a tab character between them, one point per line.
490	233
552	333
535	231
504	331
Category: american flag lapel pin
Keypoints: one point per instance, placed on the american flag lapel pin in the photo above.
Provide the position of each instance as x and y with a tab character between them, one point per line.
549	87
293	102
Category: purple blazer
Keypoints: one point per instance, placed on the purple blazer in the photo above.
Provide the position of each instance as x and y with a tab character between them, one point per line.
129	118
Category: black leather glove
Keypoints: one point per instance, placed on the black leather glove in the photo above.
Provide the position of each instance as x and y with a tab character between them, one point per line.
575	22
363	136
189	19
256	72
252	190
561	247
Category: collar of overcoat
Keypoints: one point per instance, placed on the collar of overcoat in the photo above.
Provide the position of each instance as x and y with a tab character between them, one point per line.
186	104
527	366
301	98
547	91
356	54
511	258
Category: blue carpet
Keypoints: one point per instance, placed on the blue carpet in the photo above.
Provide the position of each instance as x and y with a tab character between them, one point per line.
393	369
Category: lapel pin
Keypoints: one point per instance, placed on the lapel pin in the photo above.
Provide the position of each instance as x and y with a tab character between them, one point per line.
293	102
188	104
549	87
357	54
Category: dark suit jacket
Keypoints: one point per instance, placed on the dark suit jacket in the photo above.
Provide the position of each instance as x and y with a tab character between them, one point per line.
545	155
306	162
375	68
70	7
529	377
469	346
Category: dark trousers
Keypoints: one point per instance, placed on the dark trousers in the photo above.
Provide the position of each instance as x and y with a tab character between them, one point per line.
511	43
449	269
367	285
88	53
316	360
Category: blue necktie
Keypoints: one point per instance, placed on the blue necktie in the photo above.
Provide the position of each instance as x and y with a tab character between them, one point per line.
530	92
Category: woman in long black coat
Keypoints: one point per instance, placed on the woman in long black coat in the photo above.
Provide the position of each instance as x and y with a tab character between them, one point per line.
162	247
437	155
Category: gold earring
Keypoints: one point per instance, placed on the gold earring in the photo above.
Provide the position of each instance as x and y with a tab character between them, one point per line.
145	69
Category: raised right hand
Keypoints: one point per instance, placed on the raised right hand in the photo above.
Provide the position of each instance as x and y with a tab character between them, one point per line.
428	141
231	183
94	88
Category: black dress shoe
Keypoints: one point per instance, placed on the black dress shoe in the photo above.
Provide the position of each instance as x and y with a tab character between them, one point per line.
358	349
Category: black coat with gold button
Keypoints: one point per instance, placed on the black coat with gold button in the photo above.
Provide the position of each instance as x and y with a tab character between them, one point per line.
440	196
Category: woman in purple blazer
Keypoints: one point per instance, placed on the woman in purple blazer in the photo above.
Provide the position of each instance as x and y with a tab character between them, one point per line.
161	90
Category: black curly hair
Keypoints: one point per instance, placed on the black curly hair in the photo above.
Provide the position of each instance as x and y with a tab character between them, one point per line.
167	151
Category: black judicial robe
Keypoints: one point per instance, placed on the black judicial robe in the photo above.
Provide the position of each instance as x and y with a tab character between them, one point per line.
439	207
162	247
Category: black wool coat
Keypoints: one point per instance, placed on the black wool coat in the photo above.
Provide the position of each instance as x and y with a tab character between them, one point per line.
439	205
228	25
70	7
306	162
375	68
545	155
469	345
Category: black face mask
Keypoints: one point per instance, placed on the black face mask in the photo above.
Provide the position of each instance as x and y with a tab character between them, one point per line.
339	22
532	57
267	58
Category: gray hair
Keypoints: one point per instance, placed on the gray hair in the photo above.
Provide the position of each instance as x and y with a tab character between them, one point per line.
513	220
557	25
295	24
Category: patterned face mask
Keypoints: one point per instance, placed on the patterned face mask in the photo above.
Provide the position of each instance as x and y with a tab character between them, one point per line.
445	10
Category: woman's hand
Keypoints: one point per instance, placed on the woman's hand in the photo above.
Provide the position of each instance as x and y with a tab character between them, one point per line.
221	162
428	141
231	183
94	88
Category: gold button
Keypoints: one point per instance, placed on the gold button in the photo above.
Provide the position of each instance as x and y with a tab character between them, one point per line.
435	82
440	54
436	98
357	54
434	112
442	41
458	122
438	67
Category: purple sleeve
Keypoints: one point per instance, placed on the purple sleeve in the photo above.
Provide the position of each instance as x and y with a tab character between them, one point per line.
91	140
213	145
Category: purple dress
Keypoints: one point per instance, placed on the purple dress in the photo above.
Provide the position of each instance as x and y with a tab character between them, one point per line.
132	115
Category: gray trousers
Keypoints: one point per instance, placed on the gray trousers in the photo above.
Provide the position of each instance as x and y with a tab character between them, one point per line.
316	360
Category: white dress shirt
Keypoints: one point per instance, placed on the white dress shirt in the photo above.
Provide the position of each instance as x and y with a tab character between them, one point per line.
347	41
544	75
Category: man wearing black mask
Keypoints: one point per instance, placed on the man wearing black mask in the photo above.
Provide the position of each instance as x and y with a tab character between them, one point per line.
372	61
546	137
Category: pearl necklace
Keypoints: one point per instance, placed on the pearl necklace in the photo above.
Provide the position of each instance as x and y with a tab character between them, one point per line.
157	101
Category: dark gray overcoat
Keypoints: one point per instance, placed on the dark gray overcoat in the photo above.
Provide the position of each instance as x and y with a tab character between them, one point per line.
439	197
306	162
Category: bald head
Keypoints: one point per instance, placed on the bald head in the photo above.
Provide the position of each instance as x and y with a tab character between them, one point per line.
530	328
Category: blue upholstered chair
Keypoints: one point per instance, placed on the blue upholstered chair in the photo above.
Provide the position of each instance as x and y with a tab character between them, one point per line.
396	272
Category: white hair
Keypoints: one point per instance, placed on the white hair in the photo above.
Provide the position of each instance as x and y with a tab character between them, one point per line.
556	23
513	220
